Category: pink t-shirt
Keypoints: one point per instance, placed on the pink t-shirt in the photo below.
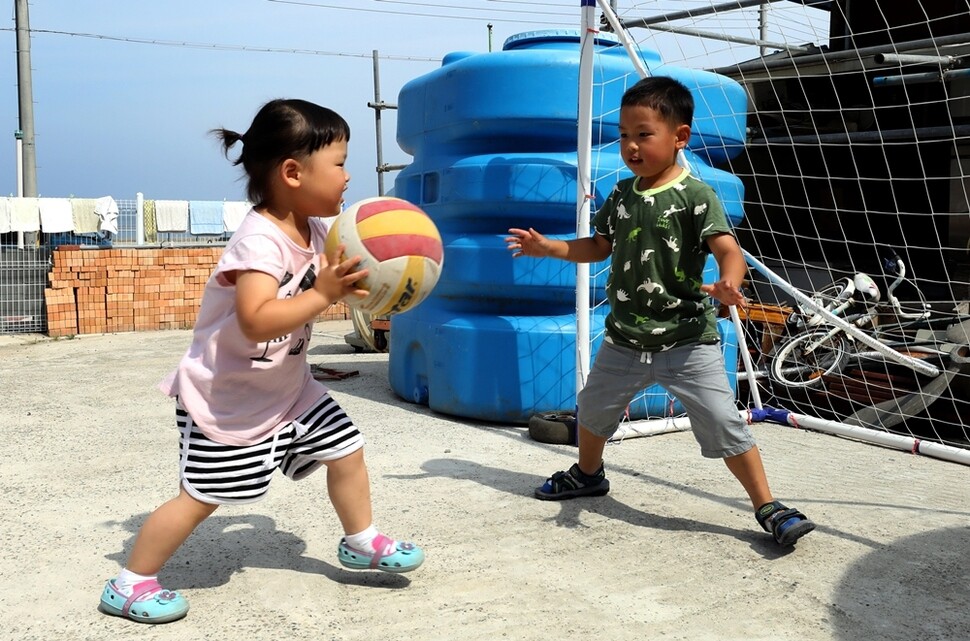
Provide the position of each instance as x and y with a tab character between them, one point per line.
239	392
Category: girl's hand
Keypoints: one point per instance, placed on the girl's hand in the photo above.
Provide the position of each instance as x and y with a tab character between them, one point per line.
726	292
528	243
338	278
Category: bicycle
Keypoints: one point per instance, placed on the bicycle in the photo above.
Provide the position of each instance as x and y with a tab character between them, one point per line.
816	348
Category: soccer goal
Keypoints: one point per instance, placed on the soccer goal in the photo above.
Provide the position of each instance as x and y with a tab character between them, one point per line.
837	134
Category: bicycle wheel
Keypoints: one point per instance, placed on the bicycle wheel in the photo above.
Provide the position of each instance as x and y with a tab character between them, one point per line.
806	358
828	297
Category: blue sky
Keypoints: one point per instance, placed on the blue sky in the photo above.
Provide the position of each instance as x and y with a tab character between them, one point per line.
115	114
125	92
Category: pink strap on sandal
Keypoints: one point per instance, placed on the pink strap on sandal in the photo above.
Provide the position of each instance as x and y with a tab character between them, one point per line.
380	543
140	590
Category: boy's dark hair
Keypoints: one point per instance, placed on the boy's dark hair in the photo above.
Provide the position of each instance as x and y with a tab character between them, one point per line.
283	128
668	97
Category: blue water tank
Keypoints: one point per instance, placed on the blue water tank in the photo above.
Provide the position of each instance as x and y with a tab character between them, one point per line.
494	139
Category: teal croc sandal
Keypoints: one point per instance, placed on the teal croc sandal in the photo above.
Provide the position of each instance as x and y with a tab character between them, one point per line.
404	558
149	603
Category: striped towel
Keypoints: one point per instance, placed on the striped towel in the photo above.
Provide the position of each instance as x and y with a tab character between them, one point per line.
205	217
171	215
24	214
86	221
233	213
4	215
55	215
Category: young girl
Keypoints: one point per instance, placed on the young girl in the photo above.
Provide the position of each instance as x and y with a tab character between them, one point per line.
246	403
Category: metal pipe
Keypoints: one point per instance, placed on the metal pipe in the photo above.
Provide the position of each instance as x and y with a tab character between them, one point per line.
913	59
19	136
694	13
749	369
763	25
709	35
832	57
139	219
377	122
920	78
922	134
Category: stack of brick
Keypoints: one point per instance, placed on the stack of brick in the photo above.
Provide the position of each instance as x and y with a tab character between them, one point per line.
95	291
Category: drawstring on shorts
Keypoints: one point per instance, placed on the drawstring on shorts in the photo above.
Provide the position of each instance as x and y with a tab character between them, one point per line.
270	458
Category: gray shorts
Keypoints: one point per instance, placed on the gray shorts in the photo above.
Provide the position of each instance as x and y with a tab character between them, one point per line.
694	374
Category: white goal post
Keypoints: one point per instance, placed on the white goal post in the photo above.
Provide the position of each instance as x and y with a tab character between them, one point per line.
796	239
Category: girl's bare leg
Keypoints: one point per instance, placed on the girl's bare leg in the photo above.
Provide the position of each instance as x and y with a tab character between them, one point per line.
165	530
348	485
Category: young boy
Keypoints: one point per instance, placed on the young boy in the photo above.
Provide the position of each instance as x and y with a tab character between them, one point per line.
659	226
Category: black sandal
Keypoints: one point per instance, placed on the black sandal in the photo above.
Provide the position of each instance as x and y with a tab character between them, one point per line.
786	524
573	483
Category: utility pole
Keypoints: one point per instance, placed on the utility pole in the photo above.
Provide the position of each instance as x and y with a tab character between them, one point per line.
378	106
26	99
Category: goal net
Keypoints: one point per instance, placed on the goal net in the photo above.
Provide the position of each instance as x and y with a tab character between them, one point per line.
837	134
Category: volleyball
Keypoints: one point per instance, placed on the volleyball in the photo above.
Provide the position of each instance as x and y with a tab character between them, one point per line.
400	247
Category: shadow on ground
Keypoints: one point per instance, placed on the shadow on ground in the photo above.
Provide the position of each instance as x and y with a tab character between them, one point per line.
916	588
224	545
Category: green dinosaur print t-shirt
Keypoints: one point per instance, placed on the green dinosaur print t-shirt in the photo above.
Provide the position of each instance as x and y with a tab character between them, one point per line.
659	252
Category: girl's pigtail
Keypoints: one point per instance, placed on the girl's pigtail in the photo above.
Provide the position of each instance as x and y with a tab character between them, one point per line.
228	138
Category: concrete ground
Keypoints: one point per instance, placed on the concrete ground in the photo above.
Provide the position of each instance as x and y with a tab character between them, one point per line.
673	552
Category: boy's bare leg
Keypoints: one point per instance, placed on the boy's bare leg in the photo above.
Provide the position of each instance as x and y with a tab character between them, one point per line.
591	449
749	469
785	524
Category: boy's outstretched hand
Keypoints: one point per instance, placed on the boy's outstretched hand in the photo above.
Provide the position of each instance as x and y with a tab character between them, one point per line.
528	242
726	292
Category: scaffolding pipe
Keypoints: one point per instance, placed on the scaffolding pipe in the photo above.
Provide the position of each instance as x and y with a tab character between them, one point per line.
920	78
694	13
710	35
921	134
830	58
913	59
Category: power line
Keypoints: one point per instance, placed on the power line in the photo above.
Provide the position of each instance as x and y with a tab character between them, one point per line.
319	5
224	47
488	9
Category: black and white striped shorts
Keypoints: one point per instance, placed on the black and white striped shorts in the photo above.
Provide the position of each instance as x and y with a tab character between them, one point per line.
231	474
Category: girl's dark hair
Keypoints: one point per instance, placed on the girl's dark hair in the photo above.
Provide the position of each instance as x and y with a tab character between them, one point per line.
283	128
668	97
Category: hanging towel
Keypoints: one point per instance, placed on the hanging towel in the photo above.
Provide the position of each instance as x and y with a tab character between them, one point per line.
151	229
172	215
107	210
205	217
86	221
24	214
4	215
233	213
55	215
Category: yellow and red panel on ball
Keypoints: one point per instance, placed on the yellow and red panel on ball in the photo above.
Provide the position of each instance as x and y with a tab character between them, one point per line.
400	247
